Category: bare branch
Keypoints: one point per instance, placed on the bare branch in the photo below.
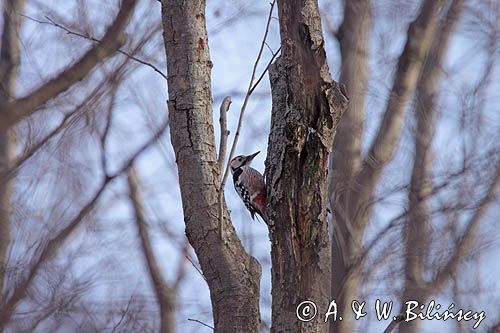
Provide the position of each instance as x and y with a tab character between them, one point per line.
466	241
416	228
96	40
95	95
200	322
394	324
9	72
165	295
251	88
51	247
418	43
224	133
13	112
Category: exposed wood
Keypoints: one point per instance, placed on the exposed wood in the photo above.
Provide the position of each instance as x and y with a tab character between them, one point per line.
307	105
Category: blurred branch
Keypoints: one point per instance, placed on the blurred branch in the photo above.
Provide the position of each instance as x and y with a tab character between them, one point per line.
419	40
394	324
427	92
465	242
251	88
13	112
50	21
495	328
49	250
165	294
224	133
200	322
9	73
70	117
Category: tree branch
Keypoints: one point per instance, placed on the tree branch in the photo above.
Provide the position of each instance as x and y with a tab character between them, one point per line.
51	247
345	159
13	112
419	40
224	133
394	324
465	242
9	72
165	294
251	88
416	228
98	41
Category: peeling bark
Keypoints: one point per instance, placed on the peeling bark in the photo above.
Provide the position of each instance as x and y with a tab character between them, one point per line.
307	105
233	276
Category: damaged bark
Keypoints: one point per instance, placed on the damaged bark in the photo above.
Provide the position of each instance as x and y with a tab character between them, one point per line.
307	105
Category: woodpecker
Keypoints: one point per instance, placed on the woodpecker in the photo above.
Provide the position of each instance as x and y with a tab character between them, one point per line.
250	185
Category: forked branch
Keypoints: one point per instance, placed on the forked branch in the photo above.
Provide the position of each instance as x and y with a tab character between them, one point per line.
13	112
251	87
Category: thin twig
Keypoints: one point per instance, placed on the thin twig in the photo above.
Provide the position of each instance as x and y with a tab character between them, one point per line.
224	133
251	88
200	322
181	270
50	247
394	323
265	70
95	40
14	111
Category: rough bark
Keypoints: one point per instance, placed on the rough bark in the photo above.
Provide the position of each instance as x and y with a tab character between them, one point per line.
15	110
307	105
417	233
232	275
345	159
9	68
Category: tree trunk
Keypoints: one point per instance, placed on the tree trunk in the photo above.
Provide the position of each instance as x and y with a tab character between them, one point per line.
307	105
345	159
417	233
352	198
9	67
232	275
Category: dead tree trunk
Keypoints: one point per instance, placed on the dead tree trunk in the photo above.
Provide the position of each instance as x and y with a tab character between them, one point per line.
307	105
9	65
232	275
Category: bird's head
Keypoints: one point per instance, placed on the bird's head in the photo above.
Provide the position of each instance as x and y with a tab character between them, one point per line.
242	160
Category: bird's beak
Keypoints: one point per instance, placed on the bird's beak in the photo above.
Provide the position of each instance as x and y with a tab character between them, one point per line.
251	157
